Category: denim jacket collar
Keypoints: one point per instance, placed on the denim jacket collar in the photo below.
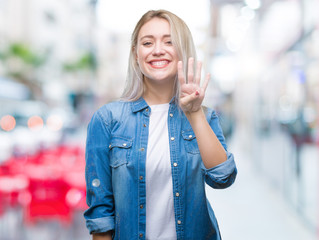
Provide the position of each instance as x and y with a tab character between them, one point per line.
141	104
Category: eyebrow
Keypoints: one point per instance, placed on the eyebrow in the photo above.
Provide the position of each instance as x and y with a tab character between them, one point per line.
151	36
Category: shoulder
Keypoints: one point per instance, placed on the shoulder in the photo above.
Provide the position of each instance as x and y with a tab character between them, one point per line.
113	110
210	113
115	105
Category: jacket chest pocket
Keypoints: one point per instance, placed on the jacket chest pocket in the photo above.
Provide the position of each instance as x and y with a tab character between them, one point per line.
120	150
190	141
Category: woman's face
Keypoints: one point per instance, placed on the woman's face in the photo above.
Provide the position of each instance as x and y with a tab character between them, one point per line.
155	54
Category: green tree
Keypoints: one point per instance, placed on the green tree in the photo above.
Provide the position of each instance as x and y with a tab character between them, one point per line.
21	64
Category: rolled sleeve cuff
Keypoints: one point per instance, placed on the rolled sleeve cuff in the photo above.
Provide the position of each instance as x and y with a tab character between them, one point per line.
100	225
222	175
224	169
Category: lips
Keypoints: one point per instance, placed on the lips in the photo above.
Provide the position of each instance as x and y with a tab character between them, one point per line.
159	63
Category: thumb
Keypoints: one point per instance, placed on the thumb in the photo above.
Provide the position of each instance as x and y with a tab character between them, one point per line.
186	100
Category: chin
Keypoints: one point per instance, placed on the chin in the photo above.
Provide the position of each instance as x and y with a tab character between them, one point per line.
164	80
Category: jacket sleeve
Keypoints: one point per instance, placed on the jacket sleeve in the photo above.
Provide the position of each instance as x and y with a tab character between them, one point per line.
100	214
224	174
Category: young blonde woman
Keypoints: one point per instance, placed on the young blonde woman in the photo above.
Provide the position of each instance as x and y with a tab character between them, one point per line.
149	154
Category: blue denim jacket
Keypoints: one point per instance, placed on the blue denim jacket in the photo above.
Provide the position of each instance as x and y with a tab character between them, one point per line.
115	172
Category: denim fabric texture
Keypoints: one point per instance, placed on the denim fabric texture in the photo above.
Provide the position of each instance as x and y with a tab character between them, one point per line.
116	150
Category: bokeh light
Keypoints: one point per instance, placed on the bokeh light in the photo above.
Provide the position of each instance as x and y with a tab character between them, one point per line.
8	123
54	123
35	123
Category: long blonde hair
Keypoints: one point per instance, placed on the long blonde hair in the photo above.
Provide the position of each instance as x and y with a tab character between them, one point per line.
182	41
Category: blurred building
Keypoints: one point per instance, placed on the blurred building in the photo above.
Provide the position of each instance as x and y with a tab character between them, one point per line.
265	55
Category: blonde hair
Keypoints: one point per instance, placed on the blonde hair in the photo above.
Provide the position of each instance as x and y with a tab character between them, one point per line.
182	41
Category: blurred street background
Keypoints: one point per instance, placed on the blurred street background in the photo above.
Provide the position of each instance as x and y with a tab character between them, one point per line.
60	60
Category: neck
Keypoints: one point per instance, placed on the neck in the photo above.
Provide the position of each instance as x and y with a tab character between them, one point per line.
158	93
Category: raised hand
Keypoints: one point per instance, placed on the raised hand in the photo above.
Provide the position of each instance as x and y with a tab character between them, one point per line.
191	93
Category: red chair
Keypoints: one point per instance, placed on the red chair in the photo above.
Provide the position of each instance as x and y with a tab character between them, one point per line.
48	201
56	185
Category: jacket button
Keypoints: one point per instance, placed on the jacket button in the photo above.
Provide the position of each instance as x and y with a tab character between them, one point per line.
179	222
190	136
141	177
177	194
171	114
142	149
96	182
124	144
141	206
175	164
141	235
144	125
172	138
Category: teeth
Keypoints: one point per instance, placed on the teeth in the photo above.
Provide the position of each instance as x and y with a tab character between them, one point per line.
159	63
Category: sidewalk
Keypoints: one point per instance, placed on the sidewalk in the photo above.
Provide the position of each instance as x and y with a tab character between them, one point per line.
253	210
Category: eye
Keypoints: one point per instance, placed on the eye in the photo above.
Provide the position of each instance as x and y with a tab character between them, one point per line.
147	43
169	42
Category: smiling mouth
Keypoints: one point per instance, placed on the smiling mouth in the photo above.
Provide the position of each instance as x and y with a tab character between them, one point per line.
159	64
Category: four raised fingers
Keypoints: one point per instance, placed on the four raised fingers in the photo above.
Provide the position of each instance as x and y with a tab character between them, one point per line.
190	74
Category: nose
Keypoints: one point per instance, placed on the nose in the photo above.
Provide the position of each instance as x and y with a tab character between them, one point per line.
158	49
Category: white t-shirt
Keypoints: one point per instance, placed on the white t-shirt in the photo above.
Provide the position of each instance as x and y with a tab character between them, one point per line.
160	217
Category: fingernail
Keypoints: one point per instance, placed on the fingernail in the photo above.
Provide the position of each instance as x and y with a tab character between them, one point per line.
196	93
